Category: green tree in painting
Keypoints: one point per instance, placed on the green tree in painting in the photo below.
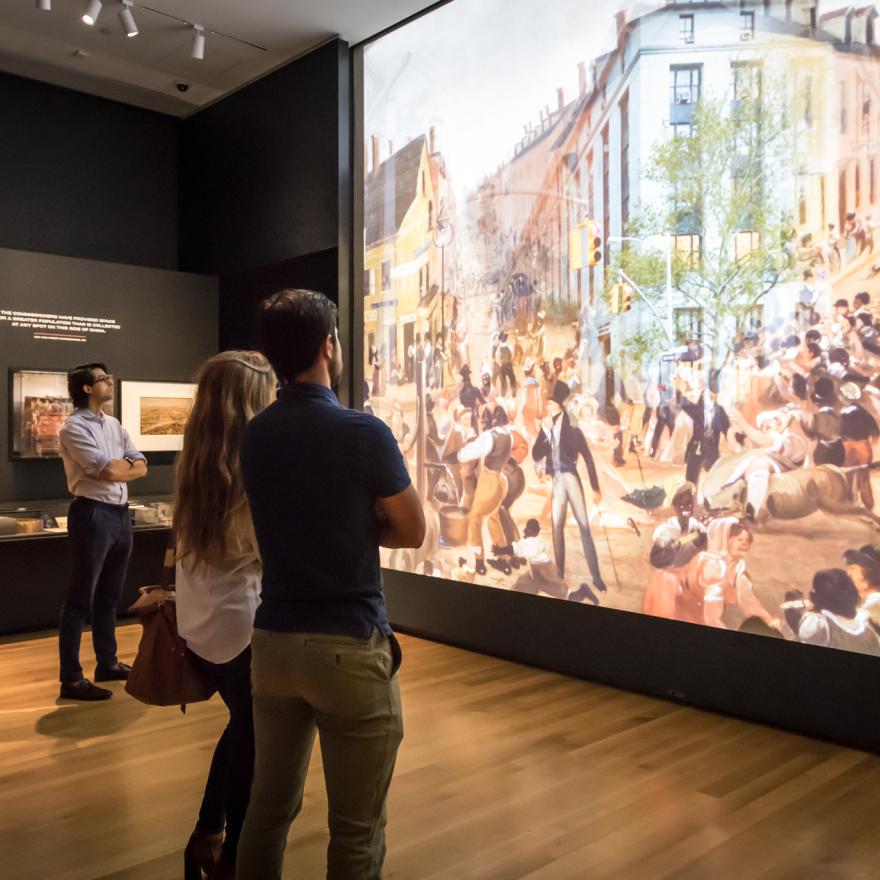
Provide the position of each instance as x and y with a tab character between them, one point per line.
720	181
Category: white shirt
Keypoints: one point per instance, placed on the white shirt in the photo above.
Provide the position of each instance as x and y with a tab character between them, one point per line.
216	607
532	549
670	531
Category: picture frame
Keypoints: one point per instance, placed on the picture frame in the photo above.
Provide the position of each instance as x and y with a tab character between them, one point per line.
154	413
39	403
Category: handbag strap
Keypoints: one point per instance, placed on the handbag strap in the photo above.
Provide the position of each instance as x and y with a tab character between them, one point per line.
166	582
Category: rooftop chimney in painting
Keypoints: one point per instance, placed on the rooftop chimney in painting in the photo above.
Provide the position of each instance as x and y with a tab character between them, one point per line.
582	79
560	98
374	144
366	160
390	148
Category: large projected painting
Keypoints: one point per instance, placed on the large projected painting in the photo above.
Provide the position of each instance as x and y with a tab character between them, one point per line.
622	304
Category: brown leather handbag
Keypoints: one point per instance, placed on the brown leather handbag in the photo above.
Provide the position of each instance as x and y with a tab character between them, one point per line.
164	672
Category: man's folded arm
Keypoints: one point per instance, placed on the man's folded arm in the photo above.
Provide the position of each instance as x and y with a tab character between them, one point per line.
403	524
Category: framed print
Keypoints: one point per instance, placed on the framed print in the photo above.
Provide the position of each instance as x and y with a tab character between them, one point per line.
154	413
38	405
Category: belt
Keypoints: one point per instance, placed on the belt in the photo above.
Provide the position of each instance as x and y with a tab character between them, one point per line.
86	500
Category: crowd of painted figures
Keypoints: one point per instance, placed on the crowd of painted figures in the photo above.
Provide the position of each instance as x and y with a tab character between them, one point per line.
787	429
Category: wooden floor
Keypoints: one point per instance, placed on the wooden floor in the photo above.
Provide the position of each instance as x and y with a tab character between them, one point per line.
505	772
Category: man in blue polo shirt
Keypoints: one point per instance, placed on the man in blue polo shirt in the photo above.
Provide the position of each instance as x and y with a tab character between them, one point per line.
327	486
99	462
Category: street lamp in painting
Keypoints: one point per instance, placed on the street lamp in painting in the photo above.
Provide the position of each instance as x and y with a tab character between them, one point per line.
444	233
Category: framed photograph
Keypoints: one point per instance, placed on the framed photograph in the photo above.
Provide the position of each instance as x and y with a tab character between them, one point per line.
154	413
38	405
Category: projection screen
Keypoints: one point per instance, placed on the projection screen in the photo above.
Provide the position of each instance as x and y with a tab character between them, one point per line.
620	301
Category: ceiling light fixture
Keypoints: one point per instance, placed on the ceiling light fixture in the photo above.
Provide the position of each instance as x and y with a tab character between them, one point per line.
128	23
45	5
198	46
93	10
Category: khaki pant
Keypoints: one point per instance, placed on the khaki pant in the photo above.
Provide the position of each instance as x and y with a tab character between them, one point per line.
347	690
491	489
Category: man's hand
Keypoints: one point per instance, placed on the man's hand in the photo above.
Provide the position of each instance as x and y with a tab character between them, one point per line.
597	497
404	523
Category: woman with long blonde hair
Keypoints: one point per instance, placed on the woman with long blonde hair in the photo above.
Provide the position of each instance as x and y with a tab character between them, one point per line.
218	587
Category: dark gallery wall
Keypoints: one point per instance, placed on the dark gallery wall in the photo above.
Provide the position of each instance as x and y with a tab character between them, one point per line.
86	177
265	190
259	170
242	292
168	325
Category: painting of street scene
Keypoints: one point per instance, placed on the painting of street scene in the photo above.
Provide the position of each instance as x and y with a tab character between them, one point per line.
164	415
621	296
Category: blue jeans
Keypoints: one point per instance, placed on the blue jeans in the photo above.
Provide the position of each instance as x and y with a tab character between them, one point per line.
100	546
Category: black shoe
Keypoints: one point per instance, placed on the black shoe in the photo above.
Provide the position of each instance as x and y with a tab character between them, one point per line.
480	567
583	592
599	584
119	672
501	565
83	690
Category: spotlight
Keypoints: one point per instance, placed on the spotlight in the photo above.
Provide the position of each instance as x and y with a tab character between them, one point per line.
198	46
93	10
45	5
128	23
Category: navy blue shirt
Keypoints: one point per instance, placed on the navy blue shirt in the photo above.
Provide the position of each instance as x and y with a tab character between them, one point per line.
312	472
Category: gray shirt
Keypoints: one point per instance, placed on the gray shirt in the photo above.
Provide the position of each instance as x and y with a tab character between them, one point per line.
89	442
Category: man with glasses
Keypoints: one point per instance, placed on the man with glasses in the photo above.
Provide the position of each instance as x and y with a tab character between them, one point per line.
99	462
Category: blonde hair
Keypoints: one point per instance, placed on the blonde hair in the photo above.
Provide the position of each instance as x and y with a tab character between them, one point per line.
211	509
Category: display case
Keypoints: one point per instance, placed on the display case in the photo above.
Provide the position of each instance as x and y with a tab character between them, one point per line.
45	518
35	554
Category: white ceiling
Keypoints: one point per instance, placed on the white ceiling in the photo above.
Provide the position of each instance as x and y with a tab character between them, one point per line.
56	47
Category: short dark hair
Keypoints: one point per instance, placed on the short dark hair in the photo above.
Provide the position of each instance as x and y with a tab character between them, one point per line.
862	297
834	591
532	529
838	356
293	325
79	376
